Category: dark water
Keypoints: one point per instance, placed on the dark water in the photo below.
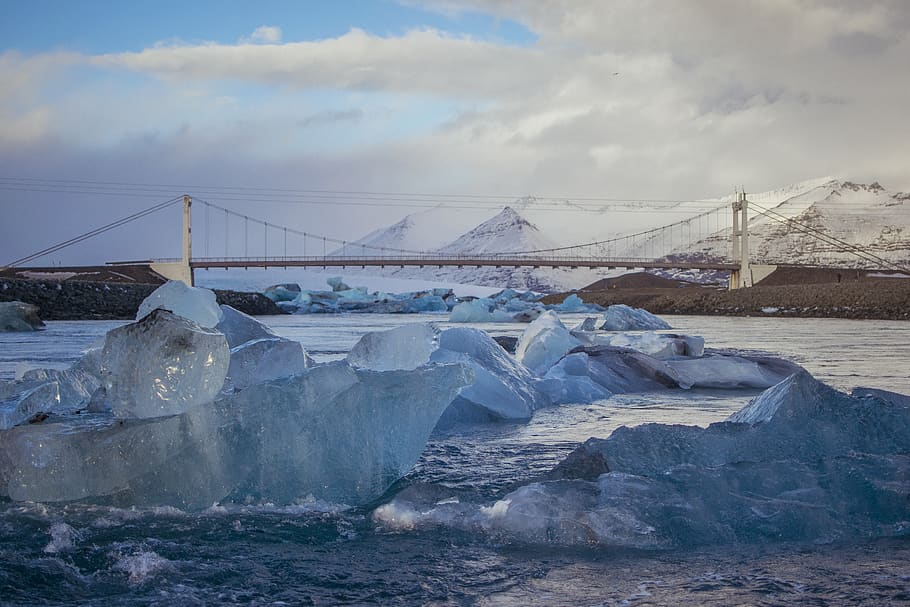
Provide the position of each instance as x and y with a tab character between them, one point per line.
315	553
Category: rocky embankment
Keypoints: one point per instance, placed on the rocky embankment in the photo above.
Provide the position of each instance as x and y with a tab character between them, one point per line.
883	298
74	300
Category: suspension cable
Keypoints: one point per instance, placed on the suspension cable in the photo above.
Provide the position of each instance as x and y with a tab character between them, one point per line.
92	233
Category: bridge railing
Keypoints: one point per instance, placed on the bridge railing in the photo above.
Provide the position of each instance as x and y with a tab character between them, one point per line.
412	258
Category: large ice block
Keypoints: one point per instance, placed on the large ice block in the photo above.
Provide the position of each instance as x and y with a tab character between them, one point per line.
264	359
19	316
801	462
404	347
620	317
730	371
502	389
196	304
544	342
569	381
240	328
334	432
162	365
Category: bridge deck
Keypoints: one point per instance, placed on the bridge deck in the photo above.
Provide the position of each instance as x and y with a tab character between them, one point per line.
450	261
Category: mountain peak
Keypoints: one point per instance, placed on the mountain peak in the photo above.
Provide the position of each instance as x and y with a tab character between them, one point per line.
506	231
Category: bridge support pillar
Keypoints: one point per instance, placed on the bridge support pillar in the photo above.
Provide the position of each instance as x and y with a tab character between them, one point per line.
181	270
741	277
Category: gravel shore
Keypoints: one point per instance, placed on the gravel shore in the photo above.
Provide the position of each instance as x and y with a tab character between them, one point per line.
882	298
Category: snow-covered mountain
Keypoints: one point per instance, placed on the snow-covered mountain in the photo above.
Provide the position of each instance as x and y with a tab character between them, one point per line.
849	215
417	232
866	216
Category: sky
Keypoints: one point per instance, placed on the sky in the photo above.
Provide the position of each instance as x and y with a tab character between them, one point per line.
336	118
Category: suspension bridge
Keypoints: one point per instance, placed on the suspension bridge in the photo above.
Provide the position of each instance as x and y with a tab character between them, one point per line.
678	245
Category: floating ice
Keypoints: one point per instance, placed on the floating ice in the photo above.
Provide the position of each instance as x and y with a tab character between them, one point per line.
49	391
476	310
428	303
544	342
801	462
337	283
620	317
569	381
43	398
622	370
265	359
502	388
335	432
162	365
729	371
240	328
574	304
196	304
283	292
588	325
663	346
19	316
405	347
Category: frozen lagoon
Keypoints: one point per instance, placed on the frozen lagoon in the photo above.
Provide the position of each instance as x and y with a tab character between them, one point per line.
311	553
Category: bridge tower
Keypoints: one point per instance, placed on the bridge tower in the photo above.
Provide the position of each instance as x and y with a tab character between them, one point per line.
748	273
181	270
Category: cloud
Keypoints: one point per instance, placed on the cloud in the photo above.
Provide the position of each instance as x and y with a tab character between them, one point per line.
642	99
330	117
264	34
421	61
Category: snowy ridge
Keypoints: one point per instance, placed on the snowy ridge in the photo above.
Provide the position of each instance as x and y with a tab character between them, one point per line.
864	215
505	233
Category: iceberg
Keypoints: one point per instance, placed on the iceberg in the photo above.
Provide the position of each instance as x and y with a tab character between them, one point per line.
569	381
261	360
663	346
620	317
43	392
196	304
334	432
240	328
731	372
282	293
502	388
801	462
162	365
476	310
337	283
574	304
544	342
19	316
402	348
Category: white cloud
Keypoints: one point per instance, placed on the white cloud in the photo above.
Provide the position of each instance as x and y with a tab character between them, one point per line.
637	98
265	34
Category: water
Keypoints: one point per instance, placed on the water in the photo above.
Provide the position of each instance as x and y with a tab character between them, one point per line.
313	553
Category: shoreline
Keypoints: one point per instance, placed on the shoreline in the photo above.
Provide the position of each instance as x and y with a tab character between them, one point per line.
867	299
83	300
